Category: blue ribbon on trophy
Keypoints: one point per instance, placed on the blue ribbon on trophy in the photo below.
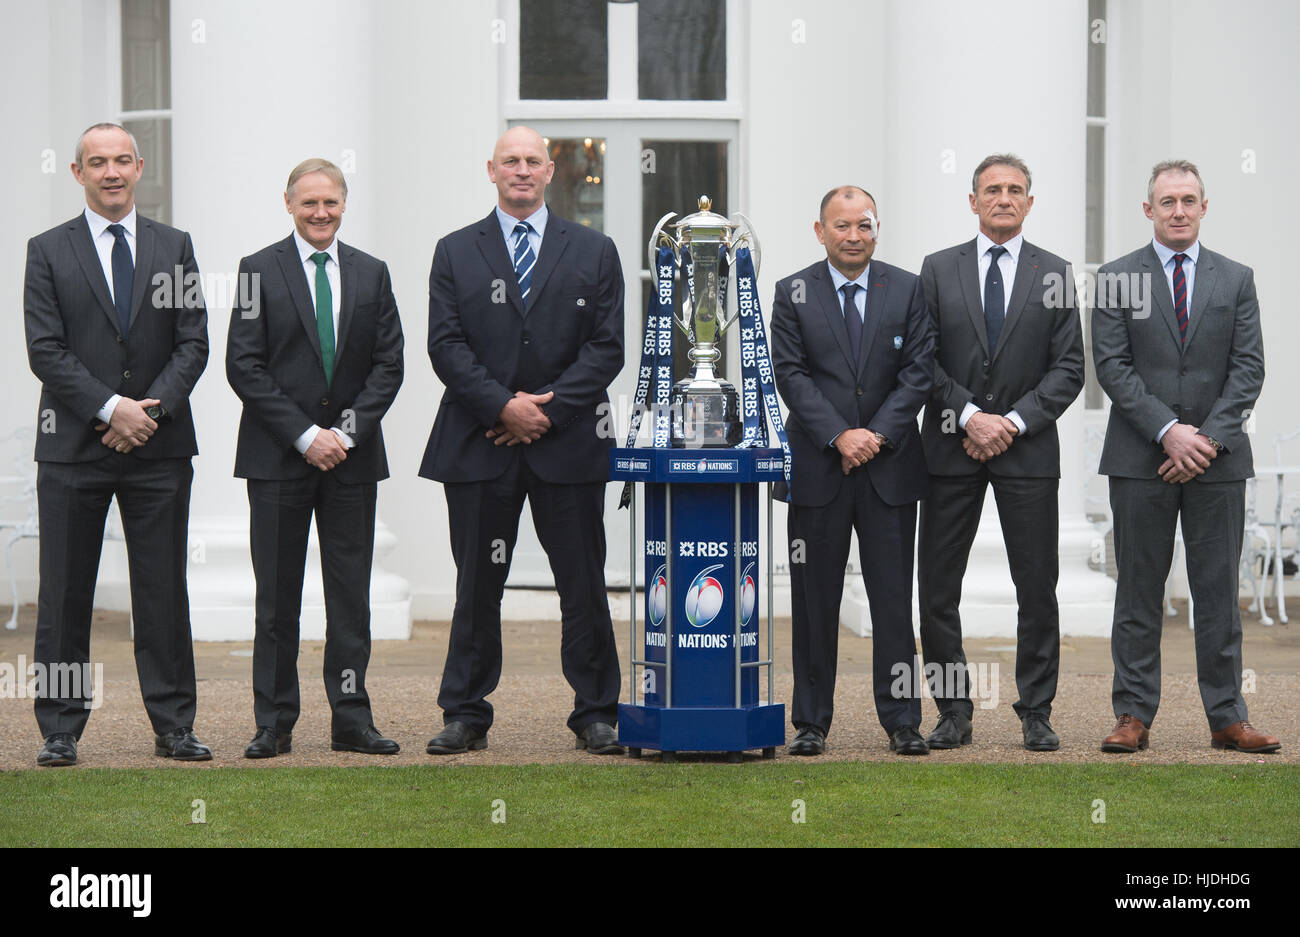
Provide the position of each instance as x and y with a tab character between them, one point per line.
704	411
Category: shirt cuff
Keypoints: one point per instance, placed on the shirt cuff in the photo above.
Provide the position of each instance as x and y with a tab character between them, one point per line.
1161	435
303	442
106	411
967	412
343	437
1014	417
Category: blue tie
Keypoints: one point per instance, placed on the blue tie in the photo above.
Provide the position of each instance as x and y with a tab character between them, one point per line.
994	299
123	277
525	259
852	321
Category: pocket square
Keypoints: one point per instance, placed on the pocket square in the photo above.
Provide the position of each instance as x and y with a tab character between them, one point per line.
898	342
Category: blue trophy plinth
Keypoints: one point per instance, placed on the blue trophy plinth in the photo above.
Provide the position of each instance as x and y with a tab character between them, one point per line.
702	560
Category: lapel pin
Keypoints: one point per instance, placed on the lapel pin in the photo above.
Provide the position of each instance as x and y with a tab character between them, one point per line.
898	342
582	302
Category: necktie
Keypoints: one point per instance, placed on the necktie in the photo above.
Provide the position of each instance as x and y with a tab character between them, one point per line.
852	321
1180	296
324	315
524	258
123	277
994	299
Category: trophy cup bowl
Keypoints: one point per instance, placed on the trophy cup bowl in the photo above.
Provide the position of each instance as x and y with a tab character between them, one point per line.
705	408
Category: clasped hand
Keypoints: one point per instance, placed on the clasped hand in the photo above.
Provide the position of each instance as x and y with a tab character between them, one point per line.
521	420
988	435
129	426
1189	454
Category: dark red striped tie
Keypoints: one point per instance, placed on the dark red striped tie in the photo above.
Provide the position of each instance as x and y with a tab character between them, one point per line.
1180	296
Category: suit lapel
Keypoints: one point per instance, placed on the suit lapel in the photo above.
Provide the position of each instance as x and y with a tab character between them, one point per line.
1202	290
876	294
1026	273
554	243
1164	302
144	251
84	249
348	304
968	274
295	278
493	248
823	291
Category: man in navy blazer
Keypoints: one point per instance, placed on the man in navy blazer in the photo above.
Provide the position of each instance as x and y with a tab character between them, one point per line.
315	354
526	334
118	342
853	352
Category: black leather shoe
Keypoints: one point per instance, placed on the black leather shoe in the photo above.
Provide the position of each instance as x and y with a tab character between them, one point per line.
456	737
599	738
953	731
268	743
181	745
1038	733
907	741
368	741
810	741
60	749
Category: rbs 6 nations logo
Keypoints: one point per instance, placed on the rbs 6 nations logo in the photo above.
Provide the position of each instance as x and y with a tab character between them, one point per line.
703	599
657	598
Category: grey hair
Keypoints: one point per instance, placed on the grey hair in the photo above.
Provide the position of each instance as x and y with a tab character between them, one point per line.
1173	165
106	125
1001	159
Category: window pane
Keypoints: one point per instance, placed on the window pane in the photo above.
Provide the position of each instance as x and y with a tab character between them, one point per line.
1095	219
563	50
153	193
1096	59
146	55
682	50
577	190
675	174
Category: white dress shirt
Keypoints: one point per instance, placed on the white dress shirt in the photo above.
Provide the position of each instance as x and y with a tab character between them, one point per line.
305	250
103	240
1007	265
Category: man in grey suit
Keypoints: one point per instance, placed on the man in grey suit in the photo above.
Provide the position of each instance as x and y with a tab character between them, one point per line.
1178	349
118	344
315	355
1008	362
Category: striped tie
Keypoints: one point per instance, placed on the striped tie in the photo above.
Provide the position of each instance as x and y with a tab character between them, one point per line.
1180	296
524	258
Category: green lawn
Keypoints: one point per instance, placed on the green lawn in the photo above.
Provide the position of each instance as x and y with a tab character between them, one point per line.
651	804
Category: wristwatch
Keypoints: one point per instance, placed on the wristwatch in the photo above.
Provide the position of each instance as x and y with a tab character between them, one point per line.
156	412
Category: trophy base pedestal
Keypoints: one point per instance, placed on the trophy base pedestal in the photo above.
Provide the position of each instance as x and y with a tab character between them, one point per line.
706	417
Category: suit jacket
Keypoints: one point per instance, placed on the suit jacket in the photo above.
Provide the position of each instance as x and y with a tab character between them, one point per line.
828	391
273	362
1036	370
1151	377
75	345
486	343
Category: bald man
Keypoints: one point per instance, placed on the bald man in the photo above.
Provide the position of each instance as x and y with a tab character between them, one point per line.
526	334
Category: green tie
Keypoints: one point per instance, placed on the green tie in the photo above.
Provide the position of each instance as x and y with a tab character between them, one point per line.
324	316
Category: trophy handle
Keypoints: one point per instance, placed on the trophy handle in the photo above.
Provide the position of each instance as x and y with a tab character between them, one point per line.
746	233
654	244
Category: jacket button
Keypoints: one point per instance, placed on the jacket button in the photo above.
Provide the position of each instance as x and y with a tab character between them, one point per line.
859	391
120	339
324	401
986	362
1183	373
988	396
127	375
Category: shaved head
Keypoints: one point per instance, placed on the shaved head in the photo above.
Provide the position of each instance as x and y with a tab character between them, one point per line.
521	169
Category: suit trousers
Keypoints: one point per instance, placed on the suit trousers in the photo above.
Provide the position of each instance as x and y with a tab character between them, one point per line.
569	519
886	536
1213	518
153	498
950	516
280	514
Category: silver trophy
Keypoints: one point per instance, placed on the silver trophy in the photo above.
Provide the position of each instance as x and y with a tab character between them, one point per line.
705	407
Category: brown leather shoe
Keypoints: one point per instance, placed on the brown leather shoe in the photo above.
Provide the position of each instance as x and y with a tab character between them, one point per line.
1128	736
1244	737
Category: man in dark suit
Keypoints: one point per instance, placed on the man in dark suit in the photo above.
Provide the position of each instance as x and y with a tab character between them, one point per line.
853	351
315	354
526	334
1178	349
118	345
1008	361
